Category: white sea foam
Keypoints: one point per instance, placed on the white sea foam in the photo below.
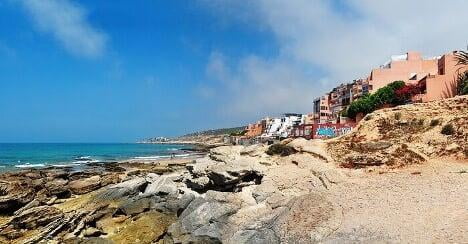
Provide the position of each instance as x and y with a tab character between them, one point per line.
153	157
28	165
62	165
163	156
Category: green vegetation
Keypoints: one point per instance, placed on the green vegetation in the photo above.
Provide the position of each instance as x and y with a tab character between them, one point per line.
217	132
435	122
398	116
280	149
448	129
462	81
238	133
462	57
462	60
369	103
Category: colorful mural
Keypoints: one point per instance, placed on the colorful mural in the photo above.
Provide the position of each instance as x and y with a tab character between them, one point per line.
313	131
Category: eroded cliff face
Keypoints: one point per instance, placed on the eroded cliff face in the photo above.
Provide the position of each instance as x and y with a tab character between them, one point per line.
405	135
376	184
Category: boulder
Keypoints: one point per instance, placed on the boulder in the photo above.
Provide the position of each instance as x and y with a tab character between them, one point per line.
204	218
15	196
225	153
85	185
58	187
91	232
127	188
162	185
109	179
198	184
35	217
136	205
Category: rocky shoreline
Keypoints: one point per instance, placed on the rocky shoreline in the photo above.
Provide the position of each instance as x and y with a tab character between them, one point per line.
378	184
235	194
185	201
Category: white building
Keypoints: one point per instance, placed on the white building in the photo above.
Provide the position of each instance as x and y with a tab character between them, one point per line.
281	127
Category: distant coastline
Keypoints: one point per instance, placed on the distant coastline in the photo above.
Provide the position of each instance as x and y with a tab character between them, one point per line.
14	157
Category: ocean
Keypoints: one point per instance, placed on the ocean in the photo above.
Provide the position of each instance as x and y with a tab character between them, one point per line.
38	155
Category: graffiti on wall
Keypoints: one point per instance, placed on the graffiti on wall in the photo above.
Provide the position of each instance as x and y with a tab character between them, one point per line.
332	130
329	130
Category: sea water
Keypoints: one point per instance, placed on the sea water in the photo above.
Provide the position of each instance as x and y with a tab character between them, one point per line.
38	155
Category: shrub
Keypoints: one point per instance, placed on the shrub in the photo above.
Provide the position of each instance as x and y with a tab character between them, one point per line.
280	149
462	81
404	94
369	103
238	133
398	116
435	122
448	129
421	122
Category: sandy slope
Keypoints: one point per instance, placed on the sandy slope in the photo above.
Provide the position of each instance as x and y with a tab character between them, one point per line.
420	204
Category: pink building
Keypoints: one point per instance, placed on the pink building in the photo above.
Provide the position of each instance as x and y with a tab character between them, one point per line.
322	109
438	76
409	67
442	84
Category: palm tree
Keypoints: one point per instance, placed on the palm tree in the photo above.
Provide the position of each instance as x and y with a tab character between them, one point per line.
462	60
462	57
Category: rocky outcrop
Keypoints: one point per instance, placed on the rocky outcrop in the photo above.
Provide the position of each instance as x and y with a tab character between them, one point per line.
406	135
86	185
224	177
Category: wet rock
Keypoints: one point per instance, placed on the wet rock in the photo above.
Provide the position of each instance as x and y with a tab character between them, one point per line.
83	186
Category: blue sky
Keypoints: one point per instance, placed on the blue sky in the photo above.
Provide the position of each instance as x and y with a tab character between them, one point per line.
118	71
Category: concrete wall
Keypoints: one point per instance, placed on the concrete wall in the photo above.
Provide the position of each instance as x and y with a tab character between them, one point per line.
402	70
444	84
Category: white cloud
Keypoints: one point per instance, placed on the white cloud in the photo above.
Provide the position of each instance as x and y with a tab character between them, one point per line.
258	87
341	43
67	22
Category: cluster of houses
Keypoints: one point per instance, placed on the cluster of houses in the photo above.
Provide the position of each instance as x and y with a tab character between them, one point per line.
437	75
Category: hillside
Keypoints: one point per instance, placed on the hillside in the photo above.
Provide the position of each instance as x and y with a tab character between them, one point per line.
407	134
215	132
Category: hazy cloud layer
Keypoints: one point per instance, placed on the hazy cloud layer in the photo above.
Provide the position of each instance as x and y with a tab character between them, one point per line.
66	21
336	42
